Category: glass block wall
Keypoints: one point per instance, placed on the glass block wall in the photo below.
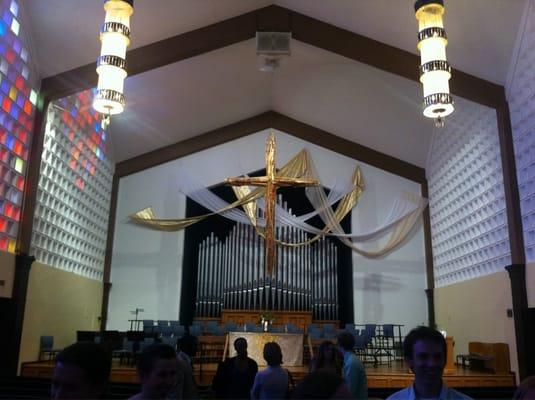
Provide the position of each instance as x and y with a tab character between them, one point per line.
521	97
18	98
466	197
73	198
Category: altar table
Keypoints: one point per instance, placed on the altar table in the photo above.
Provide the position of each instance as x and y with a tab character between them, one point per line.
291	345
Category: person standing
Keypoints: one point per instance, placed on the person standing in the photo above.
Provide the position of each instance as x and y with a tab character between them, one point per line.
425	352
81	371
274	381
328	358
158	371
352	369
235	376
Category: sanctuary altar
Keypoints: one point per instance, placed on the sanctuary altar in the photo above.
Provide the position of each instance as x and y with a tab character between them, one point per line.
291	345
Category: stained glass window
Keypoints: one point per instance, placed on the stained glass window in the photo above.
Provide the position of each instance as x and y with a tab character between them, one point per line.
18	98
73	197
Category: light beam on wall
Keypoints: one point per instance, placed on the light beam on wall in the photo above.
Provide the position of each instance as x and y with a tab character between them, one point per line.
435	72
111	65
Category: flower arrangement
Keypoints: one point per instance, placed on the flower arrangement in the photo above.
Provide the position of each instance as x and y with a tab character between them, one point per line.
266	319
266	316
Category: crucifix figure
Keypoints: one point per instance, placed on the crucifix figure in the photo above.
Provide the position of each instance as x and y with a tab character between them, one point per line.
271	182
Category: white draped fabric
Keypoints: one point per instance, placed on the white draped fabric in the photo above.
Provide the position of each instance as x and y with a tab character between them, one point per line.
398	223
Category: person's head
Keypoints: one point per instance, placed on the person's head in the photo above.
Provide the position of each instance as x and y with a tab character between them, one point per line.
188	344
157	368
425	352
240	345
321	384
526	389
327	352
346	341
81	371
273	354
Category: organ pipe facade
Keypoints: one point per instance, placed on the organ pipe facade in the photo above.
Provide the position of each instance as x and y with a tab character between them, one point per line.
231	274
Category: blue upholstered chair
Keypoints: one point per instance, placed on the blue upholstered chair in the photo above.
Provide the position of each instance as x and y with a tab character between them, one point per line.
230	326
46	348
148	325
195	330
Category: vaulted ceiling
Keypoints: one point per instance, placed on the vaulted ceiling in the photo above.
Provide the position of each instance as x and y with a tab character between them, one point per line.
216	88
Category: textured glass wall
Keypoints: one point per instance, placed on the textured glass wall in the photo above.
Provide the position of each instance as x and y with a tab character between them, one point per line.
71	216
18	99
466	196
521	93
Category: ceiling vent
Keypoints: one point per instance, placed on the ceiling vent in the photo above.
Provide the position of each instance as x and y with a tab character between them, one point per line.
273	43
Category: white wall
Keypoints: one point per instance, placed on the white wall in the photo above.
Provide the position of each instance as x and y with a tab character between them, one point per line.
146	265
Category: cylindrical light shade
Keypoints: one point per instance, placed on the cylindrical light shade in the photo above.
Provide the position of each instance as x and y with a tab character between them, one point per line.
435	72
111	65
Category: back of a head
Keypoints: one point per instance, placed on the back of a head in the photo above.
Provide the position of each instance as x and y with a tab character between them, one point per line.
90	357
346	341
151	354
81	371
273	354
319	384
188	344
422	333
526	389
240	345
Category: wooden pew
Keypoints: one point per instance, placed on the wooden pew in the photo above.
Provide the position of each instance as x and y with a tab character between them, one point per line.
489	356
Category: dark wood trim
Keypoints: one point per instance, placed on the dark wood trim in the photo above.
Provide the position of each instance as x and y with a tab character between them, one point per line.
12	316
429	264
24	237
171	50
430	296
348	148
281	122
304	29
517	275
387	58
516	238
510	183
106	288
109	252
193	145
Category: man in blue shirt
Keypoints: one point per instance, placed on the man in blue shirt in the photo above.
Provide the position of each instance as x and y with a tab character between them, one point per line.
425	353
353	370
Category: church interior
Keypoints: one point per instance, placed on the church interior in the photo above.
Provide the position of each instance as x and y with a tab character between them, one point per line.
438	228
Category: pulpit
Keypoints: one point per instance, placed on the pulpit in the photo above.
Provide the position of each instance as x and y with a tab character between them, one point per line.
450	363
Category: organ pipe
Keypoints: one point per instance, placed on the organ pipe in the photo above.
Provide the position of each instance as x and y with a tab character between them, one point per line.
231	274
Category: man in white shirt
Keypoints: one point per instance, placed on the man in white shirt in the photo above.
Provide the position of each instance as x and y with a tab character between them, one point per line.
425	353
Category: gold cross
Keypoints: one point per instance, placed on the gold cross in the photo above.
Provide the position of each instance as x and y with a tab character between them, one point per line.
271	182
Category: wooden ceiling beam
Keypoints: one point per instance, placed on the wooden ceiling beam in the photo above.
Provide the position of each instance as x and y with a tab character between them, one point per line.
271	119
274	18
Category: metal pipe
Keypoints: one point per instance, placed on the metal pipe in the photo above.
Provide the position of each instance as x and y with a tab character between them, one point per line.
322	282
242	267
315	281
210	271
337	309
224	281
199	281
233	269
249	266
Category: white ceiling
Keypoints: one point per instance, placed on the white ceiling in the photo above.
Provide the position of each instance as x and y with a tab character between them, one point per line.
330	92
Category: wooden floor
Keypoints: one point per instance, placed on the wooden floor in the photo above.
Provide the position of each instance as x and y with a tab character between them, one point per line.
383	376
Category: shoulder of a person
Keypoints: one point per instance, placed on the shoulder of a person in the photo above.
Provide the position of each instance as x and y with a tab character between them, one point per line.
400	394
